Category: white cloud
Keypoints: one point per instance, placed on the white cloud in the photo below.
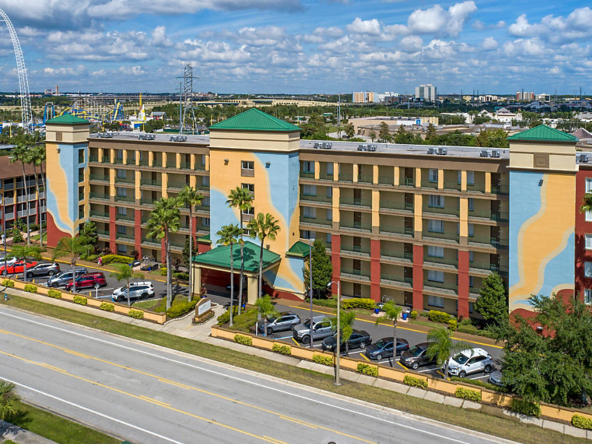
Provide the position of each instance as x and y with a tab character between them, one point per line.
159	37
436	20
524	47
359	26
574	27
411	43
489	44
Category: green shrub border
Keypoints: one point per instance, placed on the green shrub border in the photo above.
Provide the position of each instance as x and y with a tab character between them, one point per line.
136	314
30	288
468	394
281	349
107	306
581	422
368	370
322	359
81	300
242	339
412	381
8	283
56	294
526	407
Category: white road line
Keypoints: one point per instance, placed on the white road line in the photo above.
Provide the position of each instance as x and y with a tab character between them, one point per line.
241	380
94	412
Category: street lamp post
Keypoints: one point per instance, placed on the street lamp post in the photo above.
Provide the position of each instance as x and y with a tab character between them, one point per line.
310	285
337	380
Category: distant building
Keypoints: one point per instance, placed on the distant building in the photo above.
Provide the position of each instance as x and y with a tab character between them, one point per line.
522	96
365	97
57	90
427	92
543	97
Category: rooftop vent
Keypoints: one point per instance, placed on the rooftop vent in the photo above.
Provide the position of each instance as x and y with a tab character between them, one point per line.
583	158
484	153
442	151
431	150
372	147
178	139
495	154
105	135
146	136
363	147
317	145
326	145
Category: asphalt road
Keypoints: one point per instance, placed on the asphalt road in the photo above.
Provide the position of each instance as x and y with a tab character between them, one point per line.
148	394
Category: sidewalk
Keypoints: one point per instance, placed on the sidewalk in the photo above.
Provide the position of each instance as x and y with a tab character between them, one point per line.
14	433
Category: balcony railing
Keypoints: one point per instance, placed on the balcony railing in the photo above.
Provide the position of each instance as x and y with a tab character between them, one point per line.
147	201
476	187
354	201
125	217
440	261
307	174
490	215
99	214
9	185
395	229
9	201
440	285
439	235
315	221
486	240
396	205
326	176
176	185
393	254
386	180
407	182
125	199
310	198
500	189
429	184
453	185
345	177
364	275
366	178
452	211
151	182
128	180
358	226
486	266
102	233
124	237
99	196
152	242
357	249
396	280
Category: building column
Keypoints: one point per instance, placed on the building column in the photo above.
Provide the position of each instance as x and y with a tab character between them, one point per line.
336	260
252	287
196	279
112	229
463	284
375	270
418	277
138	232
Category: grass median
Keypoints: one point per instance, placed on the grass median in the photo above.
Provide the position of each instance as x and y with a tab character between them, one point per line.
472	420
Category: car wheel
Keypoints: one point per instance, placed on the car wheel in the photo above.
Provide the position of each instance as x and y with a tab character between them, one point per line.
51	273
30	275
269	331
362	345
306	339
462	374
487	368
415	365
120	299
379	357
144	296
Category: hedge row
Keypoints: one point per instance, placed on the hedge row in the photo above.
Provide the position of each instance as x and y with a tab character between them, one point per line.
56	294
367	304
439	316
412	381
369	370
180	309
581	422
471	395
30	288
107	306
282	349
242	339
8	283
136	314
116	259
526	407
322	359
80	300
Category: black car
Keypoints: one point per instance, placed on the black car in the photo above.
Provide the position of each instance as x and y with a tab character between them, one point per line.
417	356
383	348
43	269
358	339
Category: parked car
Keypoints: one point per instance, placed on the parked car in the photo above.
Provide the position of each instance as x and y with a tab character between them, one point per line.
358	339
282	322
472	360
417	356
137	290
321	329
16	267
61	279
43	269
495	378
383	348
89	280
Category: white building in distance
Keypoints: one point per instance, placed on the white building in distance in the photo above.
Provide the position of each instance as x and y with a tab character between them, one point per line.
427	92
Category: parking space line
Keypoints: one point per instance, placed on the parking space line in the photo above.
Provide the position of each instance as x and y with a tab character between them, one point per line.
426	370
295	342
398	362
284	337
479	377
363	355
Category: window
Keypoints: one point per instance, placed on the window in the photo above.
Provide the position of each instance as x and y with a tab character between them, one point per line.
122	211
588	269
250	211
309	190
329	238
81	156
471	281
329	191
121	248
588	216
122	174
80	193
471	307
203	160
436	226
121	229
435	276
588	296
471	204
435	251
58	136
81	212
471	256
470	177
436	201
330	169
471	230
435	301
205	221
80	174
329	214
121	192
309	212
308	167
588	241
119	154
205	180
306	234
247	168
433	175
248	186
588	185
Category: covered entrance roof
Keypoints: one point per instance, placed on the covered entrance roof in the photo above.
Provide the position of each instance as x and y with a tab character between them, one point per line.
219	258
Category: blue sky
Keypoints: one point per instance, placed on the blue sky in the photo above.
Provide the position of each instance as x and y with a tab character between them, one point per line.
301	46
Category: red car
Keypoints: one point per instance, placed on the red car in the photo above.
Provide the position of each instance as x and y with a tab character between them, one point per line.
17	267
89	280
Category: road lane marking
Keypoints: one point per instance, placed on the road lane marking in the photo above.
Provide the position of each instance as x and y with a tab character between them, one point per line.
299	422
275	441
94	412
139	397
241	379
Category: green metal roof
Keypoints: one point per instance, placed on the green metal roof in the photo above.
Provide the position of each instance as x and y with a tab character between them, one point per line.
67	119
254	120
220	257
299	249
544	133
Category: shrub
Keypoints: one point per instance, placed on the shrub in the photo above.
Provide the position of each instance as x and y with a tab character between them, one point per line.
242	339
452	324
116	259
180	309
30	288
367	304
136	314
163	271
107	306
282	349
33	227
224	318
438	316
80	300
245	320
412	381
56	294
322	359
8	283
182	276
414	314
478	383
366	369
581	422
92	257
471	395
526	407
469	329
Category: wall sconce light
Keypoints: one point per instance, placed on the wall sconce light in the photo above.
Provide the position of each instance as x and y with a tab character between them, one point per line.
59	150
267	164
541	183
225	161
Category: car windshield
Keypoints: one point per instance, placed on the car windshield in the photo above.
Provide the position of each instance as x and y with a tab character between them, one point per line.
415	351
381	343
461	359
307	323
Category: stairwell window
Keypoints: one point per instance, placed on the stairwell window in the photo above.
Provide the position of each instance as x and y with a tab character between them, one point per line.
247	168
435	251
588	296
436	201
436	226
435	276
588	241
588	269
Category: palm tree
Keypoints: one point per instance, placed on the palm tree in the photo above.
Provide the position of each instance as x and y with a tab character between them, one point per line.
587	205
125	273
442	347
21	153
24	252
74	246
164	220
38	159
346	319
264	309
263	226
189	197
391	314
230	235
242	200
8	401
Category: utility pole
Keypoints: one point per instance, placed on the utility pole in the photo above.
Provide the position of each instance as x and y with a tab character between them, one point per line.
310	285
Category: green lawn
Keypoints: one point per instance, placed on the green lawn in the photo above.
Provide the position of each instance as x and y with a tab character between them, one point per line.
159	305
461	417
58	429
35	237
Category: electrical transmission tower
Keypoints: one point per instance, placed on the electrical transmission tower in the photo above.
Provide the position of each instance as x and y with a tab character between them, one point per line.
26	114
186	111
